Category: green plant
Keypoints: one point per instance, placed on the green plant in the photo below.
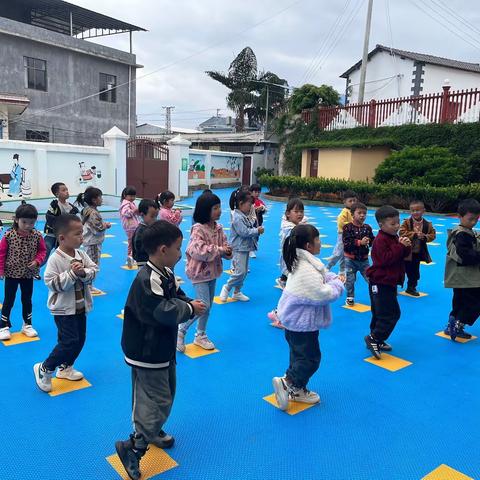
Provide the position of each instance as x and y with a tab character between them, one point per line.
436	166
436	199
263	171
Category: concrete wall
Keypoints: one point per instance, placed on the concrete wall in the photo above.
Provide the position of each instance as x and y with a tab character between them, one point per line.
73	68
47	163
345	163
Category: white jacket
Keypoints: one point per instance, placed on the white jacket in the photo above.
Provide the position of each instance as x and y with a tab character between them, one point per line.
60	280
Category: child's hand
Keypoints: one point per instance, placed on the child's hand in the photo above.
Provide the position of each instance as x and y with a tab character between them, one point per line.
199	308
227	250
32	265
421	235
405	241
107	225
365	241
261	230
78	269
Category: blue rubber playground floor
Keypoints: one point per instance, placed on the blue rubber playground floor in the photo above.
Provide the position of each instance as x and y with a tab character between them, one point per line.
372	423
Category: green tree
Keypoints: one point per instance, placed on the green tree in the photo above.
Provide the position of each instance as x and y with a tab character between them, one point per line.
436	166
310	96
239	79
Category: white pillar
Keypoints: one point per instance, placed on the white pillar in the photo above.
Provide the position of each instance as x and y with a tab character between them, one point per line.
178	162
116	178
39	179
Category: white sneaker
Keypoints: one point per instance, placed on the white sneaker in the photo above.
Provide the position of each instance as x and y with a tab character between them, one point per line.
281	392
224	294
252	254
29	331
69	373
181	341
5	334
240	297
43	378
303	395
203	341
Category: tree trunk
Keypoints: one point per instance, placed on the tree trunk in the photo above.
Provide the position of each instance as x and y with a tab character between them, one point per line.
240	122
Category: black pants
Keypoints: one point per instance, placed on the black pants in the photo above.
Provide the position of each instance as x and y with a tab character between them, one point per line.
50	243
71	338
466	305
385	311
11	286
305	357
412	269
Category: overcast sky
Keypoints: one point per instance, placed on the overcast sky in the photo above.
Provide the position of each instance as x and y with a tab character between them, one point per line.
293	43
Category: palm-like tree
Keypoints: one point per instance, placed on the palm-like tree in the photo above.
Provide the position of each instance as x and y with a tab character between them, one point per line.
239	79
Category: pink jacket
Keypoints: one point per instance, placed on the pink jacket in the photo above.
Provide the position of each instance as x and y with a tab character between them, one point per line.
129	215
205	252
170	215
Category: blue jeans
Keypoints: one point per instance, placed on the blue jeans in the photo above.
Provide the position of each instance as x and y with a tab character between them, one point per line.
337	255
205	291
352	267
240	270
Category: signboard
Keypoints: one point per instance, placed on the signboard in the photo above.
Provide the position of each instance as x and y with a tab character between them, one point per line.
184	164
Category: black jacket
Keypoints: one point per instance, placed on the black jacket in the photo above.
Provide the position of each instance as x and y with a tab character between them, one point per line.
51	216
352	235
138	252
155	306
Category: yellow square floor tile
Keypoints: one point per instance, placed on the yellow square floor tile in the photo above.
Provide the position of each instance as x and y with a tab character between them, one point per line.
427	264
18	338
389	362
228	272
60	386
125	242
405	294
444	472
126	267
326	245
219	302
194	351
322	235
434	244
154	462
459	340
105	255
120	316
358	307
100	294
108	235
278	286
293	407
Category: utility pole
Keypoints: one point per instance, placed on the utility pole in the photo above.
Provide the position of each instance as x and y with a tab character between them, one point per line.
168	119
218	111
265	131
363	70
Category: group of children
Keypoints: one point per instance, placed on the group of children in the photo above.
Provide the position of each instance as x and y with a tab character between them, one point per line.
158	314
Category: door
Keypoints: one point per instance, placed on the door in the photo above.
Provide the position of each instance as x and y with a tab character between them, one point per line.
314	163
147	167
247	170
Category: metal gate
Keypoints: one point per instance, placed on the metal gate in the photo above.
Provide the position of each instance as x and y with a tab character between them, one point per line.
147	167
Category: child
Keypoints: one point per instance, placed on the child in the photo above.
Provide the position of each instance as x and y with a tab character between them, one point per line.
294	215
243	239
420	232
57	207
166	201
22	251
259	207
154	309
462	270
345	216
357	237
68	273
387	271
207	246
129	217
304	309
93	226
148	210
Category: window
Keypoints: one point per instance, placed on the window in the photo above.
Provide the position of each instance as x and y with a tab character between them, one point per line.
108	92
35	73
37	136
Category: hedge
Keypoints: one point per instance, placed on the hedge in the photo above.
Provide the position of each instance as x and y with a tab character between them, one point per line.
436	199
352	143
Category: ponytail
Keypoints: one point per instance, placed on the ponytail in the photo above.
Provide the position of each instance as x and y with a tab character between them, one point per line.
299	237
87	197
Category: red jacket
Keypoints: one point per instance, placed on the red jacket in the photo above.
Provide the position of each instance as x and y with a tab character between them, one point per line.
388	264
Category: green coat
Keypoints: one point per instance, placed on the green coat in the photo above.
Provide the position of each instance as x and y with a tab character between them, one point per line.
456	275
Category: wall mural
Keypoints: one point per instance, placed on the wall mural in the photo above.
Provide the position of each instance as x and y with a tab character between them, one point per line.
88	175
19	185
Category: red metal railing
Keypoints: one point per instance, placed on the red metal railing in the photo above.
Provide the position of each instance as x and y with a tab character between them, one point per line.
445	107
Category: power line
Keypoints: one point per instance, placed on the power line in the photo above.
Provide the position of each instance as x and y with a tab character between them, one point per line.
461	19
171	64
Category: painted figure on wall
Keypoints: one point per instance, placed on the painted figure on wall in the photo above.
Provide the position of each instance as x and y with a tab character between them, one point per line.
88	174
15	177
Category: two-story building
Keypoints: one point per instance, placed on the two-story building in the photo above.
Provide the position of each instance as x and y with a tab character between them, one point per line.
55	86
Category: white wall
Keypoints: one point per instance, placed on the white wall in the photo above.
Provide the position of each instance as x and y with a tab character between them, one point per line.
47	163
436	75
214	159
